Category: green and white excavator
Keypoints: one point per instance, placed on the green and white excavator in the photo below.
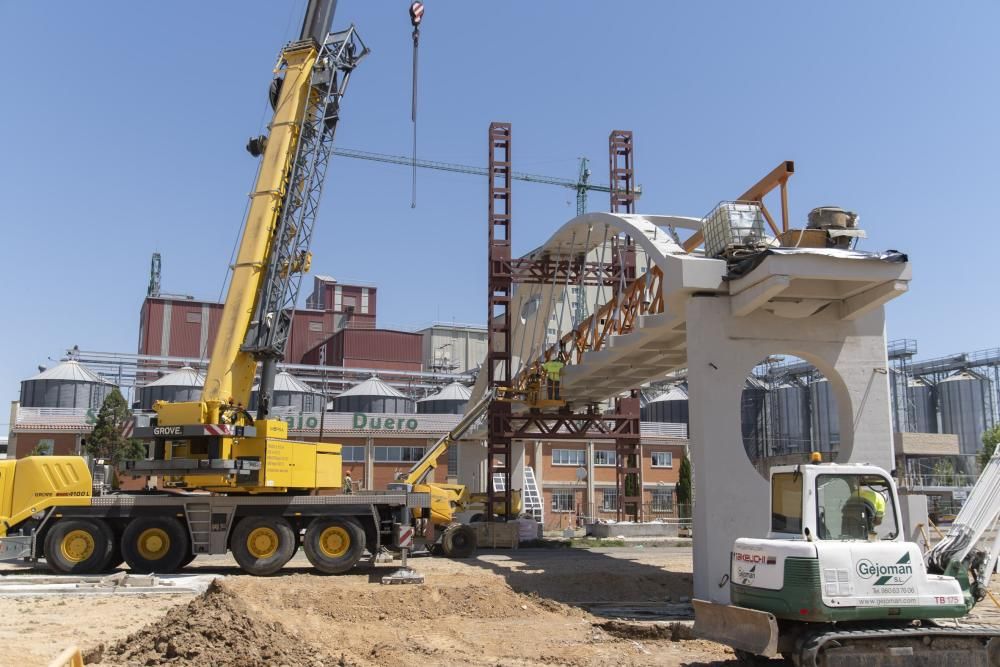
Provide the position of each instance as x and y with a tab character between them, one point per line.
835	584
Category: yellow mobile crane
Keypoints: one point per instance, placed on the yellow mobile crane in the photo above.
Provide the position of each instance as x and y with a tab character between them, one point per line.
239	484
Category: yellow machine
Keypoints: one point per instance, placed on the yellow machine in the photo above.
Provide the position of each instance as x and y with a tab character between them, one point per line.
447	500
214	443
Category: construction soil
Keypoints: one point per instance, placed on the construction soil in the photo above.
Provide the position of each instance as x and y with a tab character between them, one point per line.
525	607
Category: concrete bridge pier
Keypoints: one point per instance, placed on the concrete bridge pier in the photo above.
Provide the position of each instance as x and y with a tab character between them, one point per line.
731	497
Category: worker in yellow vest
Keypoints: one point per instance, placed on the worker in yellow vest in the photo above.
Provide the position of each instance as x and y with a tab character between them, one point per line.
876	503
553	370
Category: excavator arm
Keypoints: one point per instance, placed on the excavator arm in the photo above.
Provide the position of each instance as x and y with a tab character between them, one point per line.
960	551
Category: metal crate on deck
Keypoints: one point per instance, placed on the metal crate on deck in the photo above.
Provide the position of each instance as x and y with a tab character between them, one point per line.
732	227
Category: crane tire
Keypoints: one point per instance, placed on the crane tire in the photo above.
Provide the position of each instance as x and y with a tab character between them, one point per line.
262	545
116	559
79	546
334	545
155	544
459	541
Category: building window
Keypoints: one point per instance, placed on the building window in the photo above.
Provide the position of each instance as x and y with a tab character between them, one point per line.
663	459
569	457
353	453
45	447
192	317
610	500
398	454
663	500
364	300
605	457
316	326
563	501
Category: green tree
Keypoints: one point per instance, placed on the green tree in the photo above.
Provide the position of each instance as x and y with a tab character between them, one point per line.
990	439
684	487
41	449
944	471
106	440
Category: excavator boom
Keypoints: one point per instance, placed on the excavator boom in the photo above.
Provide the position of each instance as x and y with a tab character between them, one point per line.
418	473
960	547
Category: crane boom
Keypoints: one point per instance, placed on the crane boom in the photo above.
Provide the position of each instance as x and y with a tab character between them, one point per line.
418	473
978	515
582	185
311	77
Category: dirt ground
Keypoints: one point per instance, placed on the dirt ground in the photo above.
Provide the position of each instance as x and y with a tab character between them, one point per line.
525	607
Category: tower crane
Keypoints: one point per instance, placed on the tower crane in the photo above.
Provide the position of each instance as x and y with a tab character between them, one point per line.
581	185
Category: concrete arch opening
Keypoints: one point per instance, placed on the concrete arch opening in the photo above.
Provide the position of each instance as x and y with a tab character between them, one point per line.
790	408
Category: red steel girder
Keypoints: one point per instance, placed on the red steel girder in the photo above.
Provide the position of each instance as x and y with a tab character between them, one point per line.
498	319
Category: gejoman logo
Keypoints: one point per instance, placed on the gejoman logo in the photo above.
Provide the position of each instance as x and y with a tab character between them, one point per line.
886	573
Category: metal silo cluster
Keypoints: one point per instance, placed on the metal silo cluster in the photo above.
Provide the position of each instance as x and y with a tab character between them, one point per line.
373	395
451	400
67	385
290	395
670	407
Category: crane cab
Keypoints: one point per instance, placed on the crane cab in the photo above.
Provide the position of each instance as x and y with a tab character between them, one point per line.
835	552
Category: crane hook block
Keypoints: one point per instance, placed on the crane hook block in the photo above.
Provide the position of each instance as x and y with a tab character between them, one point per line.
416	13
256	145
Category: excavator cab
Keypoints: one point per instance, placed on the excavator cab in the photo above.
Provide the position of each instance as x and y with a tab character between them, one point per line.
856	507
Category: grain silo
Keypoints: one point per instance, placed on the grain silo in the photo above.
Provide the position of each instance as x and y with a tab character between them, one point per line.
670	407
67	385
921	406
451	400
753	418
373	395
180	386
789	403
825	418
966	407
290	395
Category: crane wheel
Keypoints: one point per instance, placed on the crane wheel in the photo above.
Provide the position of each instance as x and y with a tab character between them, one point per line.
262	545
155	544
334	545
116	559
459	541
187	560
79	546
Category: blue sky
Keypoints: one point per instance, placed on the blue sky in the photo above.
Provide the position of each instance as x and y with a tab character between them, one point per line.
124	125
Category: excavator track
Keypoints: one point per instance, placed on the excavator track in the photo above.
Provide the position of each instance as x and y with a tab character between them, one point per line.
933	646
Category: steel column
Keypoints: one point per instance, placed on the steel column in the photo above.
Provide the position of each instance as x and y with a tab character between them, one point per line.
500	288
628	453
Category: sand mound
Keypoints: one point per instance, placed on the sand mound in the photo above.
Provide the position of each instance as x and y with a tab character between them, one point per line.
216	628
488	598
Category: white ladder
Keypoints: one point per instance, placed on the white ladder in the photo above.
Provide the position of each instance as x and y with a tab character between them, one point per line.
530	498
529	495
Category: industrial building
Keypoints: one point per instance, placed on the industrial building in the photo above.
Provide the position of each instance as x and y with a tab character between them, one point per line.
940	406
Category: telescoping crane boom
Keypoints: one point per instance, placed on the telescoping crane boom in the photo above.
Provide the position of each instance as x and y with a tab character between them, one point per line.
214	442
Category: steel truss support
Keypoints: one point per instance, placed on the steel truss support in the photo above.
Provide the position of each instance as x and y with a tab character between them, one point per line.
560	269
628	459
498	319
